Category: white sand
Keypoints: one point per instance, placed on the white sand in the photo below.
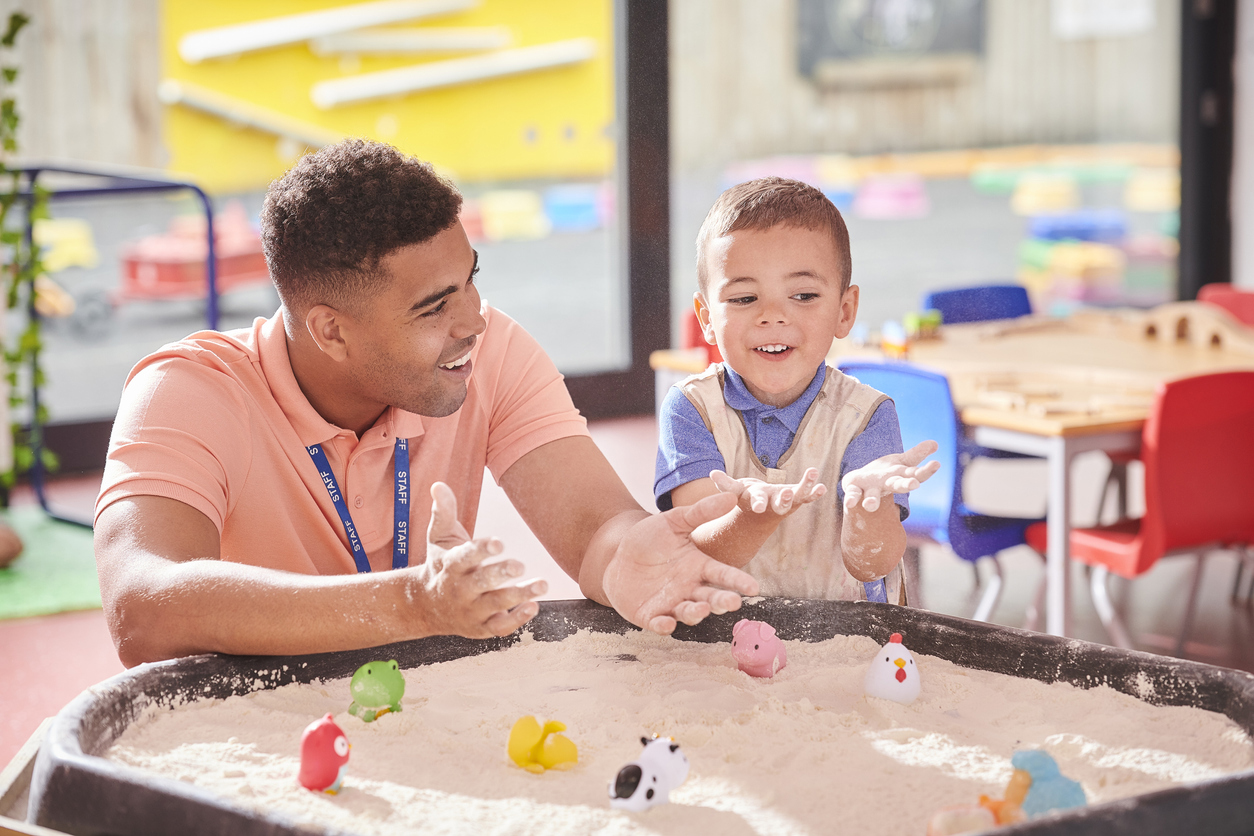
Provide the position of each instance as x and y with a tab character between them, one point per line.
805	752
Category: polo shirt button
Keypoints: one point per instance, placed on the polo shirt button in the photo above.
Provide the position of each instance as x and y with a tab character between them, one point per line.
766	420
359	502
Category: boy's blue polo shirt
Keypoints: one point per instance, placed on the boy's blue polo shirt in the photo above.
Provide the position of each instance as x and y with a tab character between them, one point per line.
687	451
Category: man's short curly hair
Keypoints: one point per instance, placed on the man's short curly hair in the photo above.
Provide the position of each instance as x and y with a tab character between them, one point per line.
768	202
329	221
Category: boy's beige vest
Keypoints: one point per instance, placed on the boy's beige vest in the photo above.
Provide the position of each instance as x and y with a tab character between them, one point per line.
802	558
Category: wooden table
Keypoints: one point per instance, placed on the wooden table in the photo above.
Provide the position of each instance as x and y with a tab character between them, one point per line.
1056	388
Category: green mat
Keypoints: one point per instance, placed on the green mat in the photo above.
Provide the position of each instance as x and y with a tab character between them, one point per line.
56	571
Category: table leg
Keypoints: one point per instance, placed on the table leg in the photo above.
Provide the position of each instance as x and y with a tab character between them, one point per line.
1058	525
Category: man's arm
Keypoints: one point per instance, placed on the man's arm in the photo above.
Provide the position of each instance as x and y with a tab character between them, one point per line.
644	565
166	593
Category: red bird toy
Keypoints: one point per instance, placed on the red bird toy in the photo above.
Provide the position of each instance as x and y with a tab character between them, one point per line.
323	756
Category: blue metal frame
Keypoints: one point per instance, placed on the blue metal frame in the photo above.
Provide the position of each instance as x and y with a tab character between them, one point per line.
115	182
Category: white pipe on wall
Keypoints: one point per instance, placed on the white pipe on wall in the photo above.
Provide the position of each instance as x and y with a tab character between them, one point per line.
328	94
195	47
240	112
414	40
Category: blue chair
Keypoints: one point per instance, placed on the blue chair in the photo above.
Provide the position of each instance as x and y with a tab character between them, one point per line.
976	304
926	410
1006	301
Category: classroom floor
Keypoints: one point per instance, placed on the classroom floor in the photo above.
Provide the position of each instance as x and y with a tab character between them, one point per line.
49	660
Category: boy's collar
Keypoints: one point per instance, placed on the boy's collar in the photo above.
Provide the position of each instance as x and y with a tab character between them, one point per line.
739	397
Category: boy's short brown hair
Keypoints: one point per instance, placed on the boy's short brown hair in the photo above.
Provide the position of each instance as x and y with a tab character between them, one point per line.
774	201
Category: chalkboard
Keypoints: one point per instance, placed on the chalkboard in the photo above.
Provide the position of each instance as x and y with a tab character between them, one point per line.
849	30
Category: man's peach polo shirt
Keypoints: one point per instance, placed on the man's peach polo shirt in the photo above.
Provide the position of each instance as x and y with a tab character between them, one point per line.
218	421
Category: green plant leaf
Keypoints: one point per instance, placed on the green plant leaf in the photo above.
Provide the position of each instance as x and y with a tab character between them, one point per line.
16	21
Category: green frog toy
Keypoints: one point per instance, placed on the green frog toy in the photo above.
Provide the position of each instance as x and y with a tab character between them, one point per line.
377	688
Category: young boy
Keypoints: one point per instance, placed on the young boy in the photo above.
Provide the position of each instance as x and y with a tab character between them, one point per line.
774	423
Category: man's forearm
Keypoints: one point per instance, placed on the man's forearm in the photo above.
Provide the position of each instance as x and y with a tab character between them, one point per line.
601	550
164	609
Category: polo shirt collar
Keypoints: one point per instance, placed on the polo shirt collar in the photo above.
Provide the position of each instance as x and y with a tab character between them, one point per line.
739	397
311	427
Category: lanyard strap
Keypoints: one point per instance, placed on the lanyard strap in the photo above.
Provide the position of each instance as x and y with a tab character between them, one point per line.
400	540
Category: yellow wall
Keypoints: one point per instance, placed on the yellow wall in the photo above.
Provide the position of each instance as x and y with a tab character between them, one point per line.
476	132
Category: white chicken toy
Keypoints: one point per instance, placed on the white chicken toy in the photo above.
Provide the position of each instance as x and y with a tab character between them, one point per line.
893	674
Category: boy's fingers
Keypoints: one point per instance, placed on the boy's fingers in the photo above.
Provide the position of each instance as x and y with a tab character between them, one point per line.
853	496
783	501
901	484
810	493
919	452
926	471
758	500
725	483
870	499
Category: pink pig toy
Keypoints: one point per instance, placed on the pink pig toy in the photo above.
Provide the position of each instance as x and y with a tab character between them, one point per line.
756	648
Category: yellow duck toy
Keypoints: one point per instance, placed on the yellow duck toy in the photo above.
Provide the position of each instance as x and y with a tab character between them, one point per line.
536	749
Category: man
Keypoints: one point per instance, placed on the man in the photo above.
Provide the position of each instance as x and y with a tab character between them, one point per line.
259	482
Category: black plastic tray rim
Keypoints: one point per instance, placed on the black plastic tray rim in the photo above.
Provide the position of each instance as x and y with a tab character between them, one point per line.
75	790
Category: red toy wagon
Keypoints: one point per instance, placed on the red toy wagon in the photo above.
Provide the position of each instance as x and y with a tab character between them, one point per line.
172	265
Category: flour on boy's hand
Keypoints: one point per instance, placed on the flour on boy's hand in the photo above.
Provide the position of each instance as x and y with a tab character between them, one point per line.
757	496
894	473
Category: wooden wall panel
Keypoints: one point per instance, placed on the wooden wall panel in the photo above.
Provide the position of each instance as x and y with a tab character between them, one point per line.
737	92
88	84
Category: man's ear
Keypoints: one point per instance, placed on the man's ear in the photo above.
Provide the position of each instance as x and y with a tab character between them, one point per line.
325	326
848	312
703	317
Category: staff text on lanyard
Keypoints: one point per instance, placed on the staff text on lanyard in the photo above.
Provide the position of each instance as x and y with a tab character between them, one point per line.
400	506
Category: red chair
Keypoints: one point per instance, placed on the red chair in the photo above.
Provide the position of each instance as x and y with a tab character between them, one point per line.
1198	451
1239	303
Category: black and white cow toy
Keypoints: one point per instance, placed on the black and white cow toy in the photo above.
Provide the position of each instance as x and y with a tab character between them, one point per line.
648	780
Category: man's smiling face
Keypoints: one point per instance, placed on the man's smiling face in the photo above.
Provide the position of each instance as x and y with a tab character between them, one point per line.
411	348
773	304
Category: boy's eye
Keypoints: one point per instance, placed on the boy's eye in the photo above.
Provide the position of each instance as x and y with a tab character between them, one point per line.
805	297
742	300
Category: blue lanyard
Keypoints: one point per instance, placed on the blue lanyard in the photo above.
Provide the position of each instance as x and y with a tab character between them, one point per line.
400	506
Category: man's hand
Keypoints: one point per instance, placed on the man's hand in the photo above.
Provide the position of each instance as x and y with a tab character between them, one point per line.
461	595
887	475
658	577
758	497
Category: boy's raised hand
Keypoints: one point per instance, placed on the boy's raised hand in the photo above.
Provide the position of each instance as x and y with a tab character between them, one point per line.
895	473
758	496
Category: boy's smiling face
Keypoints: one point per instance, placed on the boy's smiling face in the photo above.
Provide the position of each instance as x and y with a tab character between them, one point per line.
773	304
